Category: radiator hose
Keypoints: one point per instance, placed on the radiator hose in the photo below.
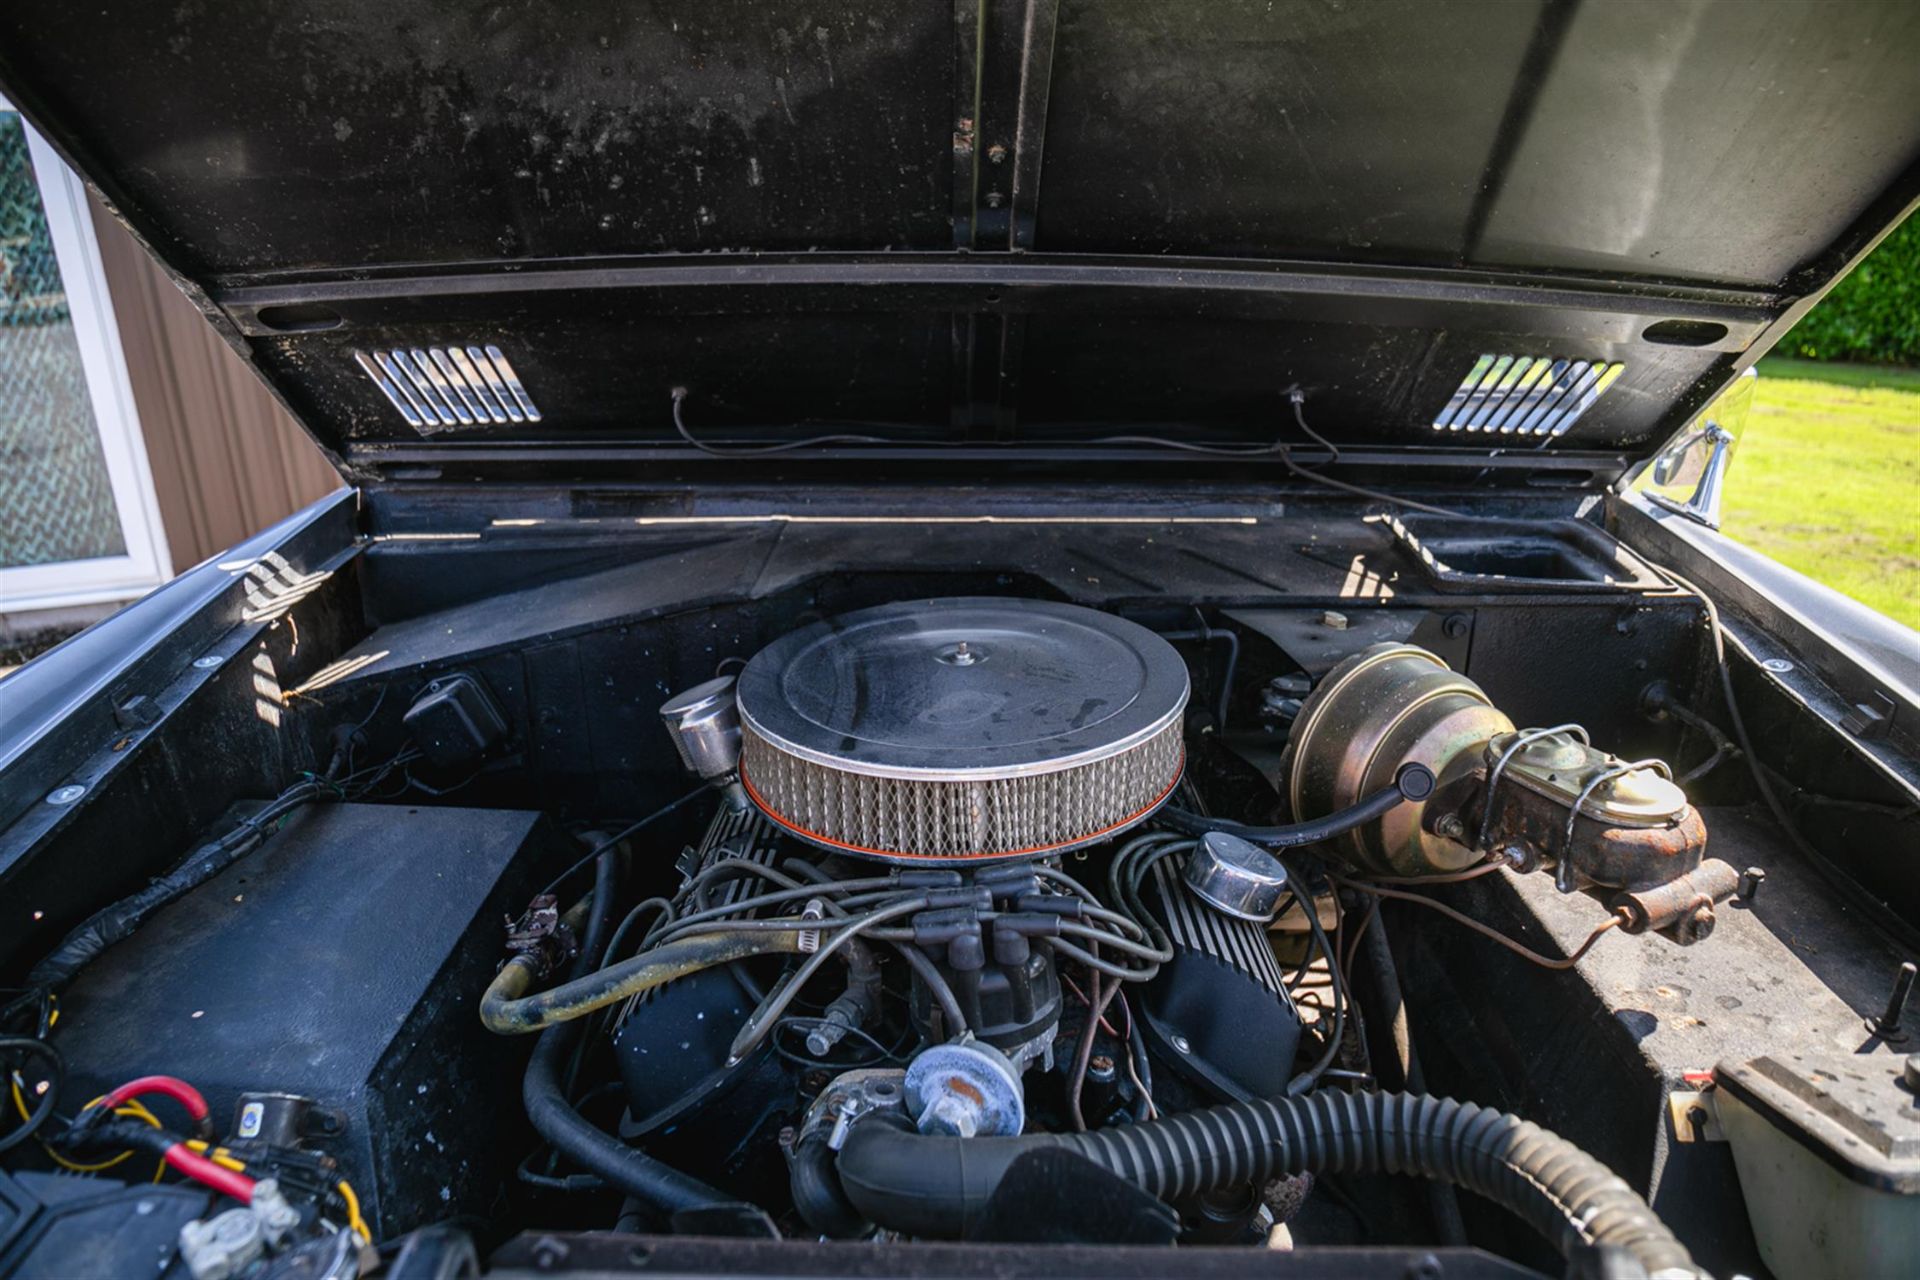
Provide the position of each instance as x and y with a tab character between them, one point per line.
938	1186
507	1009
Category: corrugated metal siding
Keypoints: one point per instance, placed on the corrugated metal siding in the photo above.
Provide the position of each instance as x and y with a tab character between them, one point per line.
227	460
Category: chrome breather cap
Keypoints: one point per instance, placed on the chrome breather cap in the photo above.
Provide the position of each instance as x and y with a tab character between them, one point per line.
1236	877
705	724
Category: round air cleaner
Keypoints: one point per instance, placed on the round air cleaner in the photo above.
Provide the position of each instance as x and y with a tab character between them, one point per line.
962	730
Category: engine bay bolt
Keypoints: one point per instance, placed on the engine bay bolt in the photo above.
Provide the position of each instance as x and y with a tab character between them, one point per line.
549	1253
207	663
1779	666
1519	855
1180	1044
67	794
1887	1025
1334	620
1695	925
1750	881
1451	827
1456	626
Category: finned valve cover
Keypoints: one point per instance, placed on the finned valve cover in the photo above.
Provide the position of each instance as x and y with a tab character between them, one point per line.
962	730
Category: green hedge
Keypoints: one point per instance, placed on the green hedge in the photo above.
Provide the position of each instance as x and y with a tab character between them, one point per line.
1874	314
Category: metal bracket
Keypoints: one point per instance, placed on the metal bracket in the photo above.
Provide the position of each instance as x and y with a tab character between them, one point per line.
1869	719
1694	1117
1702	506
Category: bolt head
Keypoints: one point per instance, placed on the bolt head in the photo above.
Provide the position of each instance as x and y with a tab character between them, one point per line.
207	663
1180	1044
1696	924
1519	855
67	794
1779	666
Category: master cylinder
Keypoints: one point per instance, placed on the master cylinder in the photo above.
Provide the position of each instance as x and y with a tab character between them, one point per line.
1535	798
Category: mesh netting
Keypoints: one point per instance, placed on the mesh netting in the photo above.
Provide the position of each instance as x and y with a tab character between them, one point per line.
56	502
1001	817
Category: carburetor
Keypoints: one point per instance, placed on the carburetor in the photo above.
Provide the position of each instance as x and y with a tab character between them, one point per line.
1537	798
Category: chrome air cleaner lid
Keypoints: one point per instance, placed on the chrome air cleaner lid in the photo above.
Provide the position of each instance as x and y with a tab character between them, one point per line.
962	729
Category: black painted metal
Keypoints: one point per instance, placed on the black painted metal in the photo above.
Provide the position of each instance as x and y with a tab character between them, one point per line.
601	1253
538	175
57	714
287	973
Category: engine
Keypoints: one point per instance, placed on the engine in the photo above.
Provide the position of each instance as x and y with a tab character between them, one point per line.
972	924
959	885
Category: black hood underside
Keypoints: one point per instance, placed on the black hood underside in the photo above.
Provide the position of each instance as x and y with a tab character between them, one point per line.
1489	239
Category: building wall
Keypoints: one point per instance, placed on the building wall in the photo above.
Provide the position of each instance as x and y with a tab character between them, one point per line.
227	460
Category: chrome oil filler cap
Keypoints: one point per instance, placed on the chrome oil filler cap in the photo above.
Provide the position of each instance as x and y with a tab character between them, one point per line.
1236	877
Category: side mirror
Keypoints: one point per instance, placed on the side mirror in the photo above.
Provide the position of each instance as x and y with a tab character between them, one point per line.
1688	477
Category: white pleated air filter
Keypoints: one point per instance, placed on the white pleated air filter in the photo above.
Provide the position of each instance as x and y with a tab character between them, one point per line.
962	730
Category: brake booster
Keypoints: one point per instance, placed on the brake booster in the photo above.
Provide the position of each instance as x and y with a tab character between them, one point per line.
1537	799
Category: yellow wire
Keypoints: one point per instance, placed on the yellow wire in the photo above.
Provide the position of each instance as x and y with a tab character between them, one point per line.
132	1107
354	1219
219	1155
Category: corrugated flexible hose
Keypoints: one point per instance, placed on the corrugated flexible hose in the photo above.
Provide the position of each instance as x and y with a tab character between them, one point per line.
937	1186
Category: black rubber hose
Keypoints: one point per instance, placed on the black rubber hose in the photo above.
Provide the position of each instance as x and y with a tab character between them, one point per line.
1442	1199
1412	782
28	1047
1207	635
817	1194
115	923
507	1009
938	1186
606	888
626	1168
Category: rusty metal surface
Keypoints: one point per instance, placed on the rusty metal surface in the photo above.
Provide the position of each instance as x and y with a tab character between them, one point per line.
1631	857
1791	968
1592	1053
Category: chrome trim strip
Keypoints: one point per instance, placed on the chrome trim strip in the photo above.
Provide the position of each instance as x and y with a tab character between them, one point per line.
380	379
435	387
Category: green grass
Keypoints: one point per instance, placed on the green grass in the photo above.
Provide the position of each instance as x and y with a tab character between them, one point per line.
1826	479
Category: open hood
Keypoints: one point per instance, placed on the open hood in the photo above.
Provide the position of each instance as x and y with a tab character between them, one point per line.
1494	240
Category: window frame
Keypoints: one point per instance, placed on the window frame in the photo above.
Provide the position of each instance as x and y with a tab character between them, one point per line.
146	562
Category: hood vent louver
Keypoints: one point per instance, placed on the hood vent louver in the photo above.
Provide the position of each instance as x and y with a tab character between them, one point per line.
441	387
1537	396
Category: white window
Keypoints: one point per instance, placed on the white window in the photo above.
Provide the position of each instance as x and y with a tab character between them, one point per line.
78	520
